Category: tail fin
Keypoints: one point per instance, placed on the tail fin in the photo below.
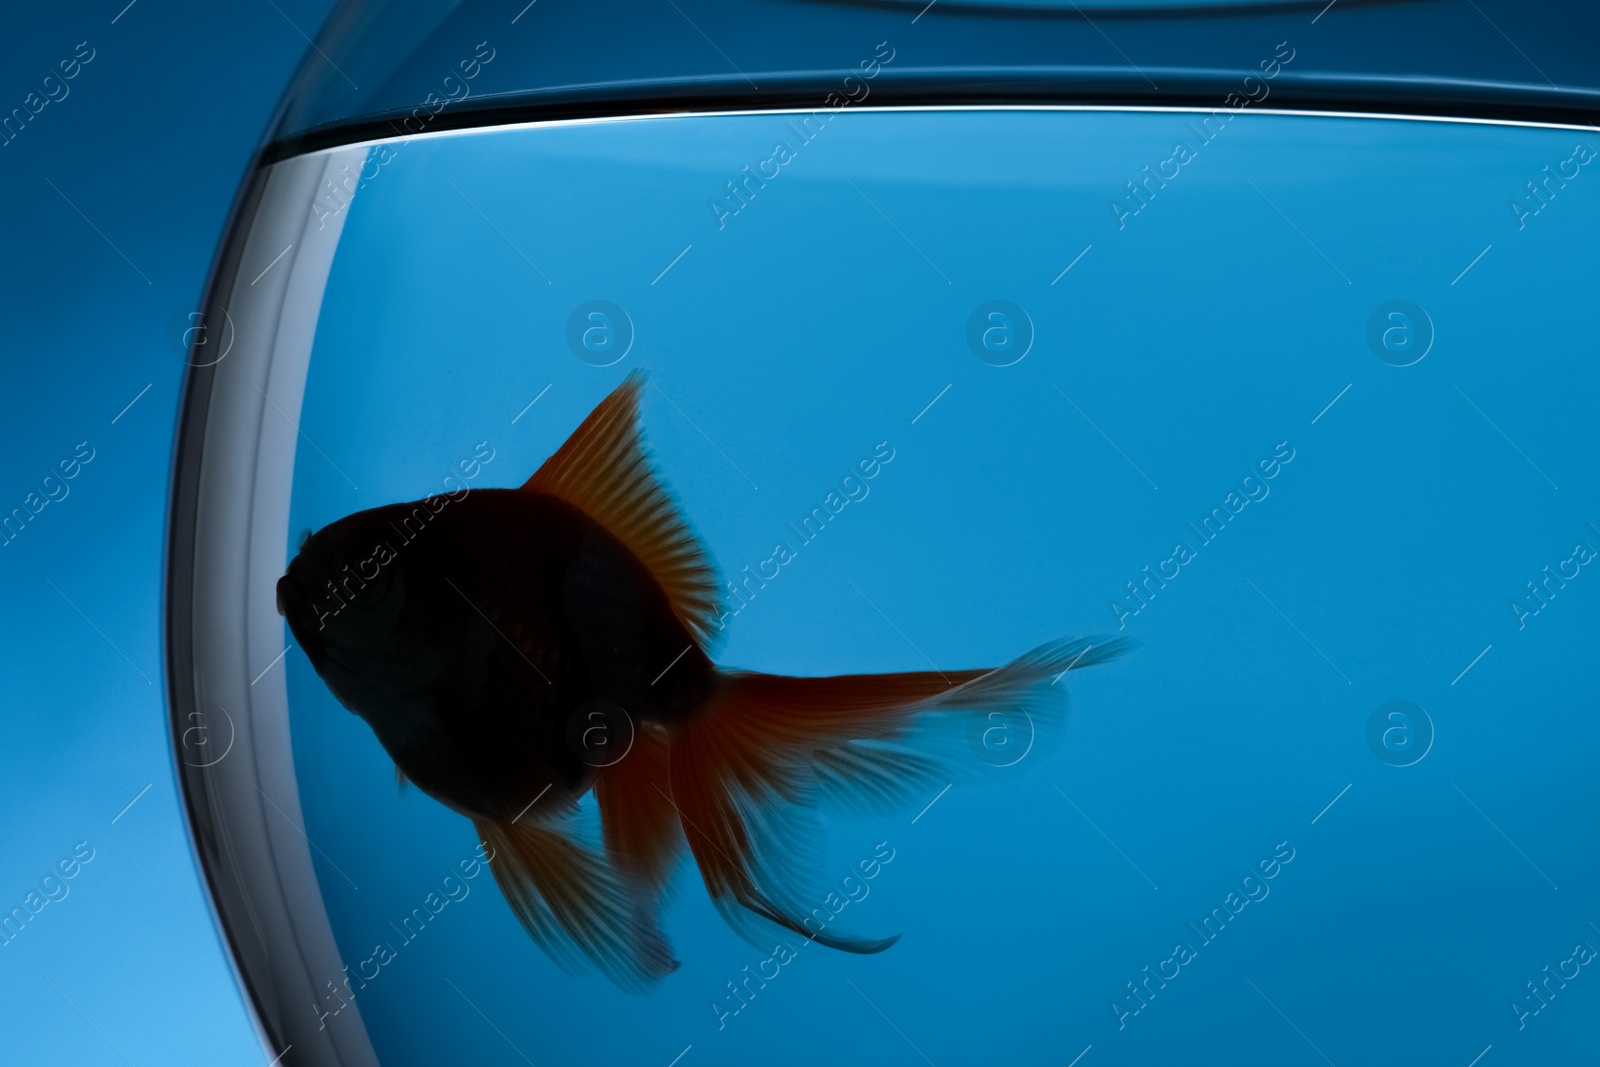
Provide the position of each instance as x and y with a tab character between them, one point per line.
574	905
766	748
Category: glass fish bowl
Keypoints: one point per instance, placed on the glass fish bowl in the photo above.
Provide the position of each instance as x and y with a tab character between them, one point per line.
1127	523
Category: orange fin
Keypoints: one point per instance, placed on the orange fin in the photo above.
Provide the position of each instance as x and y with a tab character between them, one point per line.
642	835
604	471
574	905
749	768
752	845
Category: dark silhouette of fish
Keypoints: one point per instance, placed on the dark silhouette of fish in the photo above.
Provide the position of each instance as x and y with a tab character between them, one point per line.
506	645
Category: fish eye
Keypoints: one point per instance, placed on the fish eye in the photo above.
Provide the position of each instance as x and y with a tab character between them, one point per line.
369	591
374	591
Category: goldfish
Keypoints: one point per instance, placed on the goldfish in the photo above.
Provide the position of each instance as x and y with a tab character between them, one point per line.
504	644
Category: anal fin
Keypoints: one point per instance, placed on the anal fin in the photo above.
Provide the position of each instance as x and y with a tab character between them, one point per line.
641	827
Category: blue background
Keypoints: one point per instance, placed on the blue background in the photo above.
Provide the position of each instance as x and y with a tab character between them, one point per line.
1199	336
150	144
1002	520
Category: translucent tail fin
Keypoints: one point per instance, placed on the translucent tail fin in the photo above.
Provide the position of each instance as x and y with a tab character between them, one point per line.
746	769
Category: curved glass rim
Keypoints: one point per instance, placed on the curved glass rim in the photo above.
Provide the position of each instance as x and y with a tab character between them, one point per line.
414	63
1459	99
545	123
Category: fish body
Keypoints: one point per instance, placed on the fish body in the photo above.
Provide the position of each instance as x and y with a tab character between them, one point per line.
491	649
513	649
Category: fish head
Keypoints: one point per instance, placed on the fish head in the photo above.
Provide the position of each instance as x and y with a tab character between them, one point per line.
345	594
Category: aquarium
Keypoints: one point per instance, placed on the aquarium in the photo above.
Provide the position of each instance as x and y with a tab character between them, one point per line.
1262	413
1283	418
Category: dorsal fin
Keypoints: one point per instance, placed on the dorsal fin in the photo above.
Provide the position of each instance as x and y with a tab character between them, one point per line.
605	472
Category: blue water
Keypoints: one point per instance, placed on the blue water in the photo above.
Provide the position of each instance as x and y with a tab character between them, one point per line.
1422	871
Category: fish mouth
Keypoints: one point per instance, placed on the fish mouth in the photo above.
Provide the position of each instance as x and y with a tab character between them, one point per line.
293	606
